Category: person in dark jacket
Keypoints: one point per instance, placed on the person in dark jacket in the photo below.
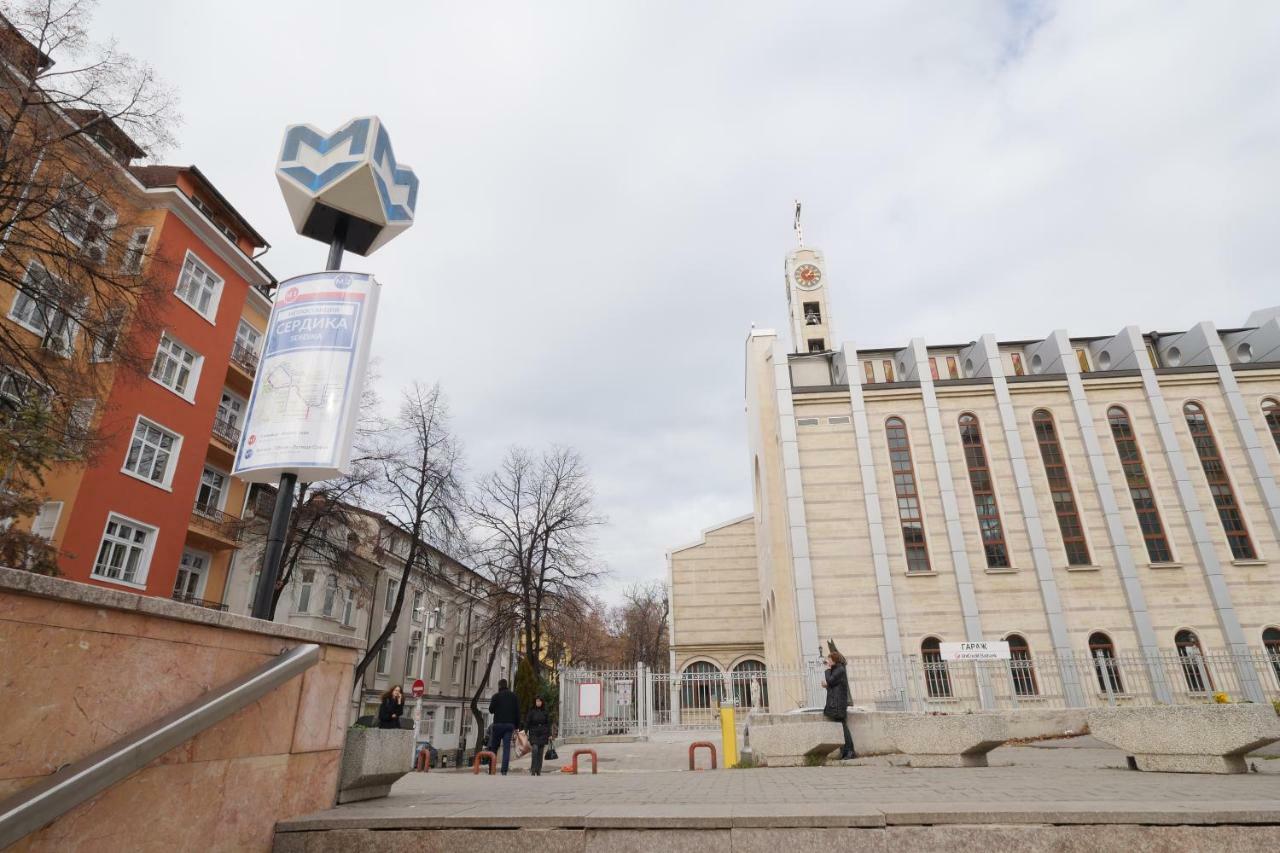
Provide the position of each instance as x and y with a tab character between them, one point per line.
837	707
505	708
538	723
391	709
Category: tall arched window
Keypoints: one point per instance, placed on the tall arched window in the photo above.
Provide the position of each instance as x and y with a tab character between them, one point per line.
1191	656
1271	642
1271	411
1064	502
750	689
904	483
937	678
1105	665
1021	667
1135	474
702	686
984	496
1215	471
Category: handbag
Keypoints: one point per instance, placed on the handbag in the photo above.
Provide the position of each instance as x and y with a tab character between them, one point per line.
551	752
522	744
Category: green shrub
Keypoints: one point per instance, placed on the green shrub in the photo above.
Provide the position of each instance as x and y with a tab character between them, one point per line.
814	759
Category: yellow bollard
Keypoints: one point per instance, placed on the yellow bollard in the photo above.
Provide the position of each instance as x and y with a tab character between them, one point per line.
728	734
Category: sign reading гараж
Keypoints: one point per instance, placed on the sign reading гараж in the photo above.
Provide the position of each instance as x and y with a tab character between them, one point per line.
306	395
987	650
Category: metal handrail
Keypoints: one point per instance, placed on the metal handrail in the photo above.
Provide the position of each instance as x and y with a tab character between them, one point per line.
49	799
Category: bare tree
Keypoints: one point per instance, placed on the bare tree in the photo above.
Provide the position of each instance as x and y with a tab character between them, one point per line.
532	519
421	491
641	624
72	116
494	630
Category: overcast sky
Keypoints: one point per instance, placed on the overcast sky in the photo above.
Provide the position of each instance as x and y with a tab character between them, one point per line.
607	187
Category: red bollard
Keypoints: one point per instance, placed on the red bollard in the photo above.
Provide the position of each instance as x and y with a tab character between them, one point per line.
709	745
493	762
577	752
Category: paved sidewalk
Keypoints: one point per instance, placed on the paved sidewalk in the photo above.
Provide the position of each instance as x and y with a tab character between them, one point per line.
1026	784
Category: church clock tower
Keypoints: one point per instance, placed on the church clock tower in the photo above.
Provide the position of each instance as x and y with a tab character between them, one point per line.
806	273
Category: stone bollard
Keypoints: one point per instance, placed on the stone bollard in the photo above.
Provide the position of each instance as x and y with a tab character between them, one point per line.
372	761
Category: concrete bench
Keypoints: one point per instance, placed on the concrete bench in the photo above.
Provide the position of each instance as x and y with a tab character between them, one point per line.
372	761
1187	738
785	740
946	740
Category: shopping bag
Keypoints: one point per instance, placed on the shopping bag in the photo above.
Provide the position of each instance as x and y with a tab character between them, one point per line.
522	744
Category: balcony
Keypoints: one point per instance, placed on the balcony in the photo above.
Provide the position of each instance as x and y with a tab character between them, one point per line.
244	358
198	602
226	432
214	525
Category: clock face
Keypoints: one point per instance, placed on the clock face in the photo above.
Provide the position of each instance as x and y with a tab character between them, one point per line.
808	276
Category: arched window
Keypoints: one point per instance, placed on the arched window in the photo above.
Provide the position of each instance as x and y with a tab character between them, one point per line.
937	678
1191	656
702	686
1271	642
1215	471
749	687
1064	502
1021	667
984	495
1271	411
904	483
1105	665
1135	474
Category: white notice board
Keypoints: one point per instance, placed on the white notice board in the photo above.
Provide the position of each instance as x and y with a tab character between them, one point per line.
992	650
590	699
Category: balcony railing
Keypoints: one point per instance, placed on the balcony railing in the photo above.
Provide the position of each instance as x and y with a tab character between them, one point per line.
198	602
226	431
216	522
246	358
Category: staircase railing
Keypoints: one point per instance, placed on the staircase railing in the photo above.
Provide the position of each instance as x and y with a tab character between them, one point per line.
40	804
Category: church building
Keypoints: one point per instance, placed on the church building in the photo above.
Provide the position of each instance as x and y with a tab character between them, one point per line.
1100	498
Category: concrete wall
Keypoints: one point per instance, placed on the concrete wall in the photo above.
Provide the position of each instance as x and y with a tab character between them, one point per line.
84	666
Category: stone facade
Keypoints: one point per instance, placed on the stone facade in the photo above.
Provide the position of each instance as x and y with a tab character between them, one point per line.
977	432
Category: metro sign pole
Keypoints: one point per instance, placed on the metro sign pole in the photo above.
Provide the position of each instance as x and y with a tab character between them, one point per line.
347	190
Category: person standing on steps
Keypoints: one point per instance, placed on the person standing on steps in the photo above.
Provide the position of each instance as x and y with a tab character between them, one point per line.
837	707
505	708
538	723
391	709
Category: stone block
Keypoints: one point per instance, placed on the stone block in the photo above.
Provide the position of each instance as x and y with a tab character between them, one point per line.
950	740
1187	738
372	761
783	740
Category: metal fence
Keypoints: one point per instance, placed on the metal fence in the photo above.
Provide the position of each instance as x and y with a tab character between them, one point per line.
640	701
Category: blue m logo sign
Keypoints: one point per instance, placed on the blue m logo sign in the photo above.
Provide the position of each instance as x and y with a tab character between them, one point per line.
318	162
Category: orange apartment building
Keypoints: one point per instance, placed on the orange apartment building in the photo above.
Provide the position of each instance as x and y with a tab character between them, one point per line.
154	508
157	510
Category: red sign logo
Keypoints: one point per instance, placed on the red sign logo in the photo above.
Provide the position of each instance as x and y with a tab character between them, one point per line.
253	437
419	687
291	294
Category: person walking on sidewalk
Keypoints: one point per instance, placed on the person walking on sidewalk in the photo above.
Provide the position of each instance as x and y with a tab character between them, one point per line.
505	708
391	709
837	707
538	723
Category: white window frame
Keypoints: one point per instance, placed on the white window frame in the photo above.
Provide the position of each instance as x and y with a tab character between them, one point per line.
241	339
450	719
57	317
170	466
203	573
238	412
105	343
214	298
48	510
193	375
384	658
418	596
331	595
58	214
305	585
222	493
389	602
144	562
135	253
349	609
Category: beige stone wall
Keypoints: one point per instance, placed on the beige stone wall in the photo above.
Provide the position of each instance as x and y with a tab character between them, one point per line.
1010	601
85	666
716	612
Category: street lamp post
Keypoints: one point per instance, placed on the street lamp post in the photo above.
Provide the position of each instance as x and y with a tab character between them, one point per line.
433	622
